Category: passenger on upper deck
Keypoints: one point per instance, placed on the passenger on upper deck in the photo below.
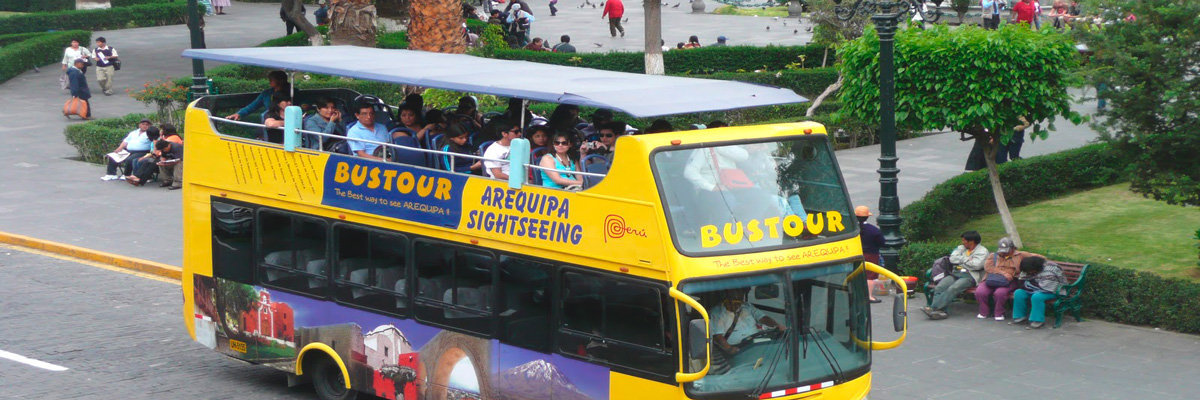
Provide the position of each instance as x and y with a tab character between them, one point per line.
368	129
411	119
660	125
279	85
513	114
499	150
599	118
273	119
328	120
469	108
564	118
539	136
608	139
563	158
455	141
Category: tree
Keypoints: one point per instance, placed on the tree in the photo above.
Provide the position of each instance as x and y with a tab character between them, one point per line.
1150	67
830	31
295	12
961	7
971	80
236	298
653	55
436	26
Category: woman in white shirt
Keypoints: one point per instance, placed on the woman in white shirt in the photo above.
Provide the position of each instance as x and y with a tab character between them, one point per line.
75	52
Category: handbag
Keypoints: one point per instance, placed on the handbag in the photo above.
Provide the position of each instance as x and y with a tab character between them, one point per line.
75	106
732	178
995	280
116	65
62	81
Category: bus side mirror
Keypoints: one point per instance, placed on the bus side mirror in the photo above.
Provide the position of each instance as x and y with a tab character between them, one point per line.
518	157
292	117
899	314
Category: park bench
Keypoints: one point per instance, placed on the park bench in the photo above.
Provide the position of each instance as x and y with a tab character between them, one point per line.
1068	294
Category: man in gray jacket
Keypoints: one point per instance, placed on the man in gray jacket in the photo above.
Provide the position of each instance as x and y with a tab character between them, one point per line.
967	259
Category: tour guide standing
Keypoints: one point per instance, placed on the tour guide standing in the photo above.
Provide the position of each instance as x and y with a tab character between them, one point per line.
106	60
614	10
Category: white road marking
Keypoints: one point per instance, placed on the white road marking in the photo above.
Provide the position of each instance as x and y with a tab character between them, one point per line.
31	362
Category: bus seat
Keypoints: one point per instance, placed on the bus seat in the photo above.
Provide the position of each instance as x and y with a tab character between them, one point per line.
596	164
486	292
403	156
316	267
359	276
430	288
483	147
386	278
467	297
402	289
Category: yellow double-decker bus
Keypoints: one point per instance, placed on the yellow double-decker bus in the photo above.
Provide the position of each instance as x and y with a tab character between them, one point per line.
708	264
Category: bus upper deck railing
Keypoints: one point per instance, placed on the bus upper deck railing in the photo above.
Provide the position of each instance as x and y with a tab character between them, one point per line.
451	156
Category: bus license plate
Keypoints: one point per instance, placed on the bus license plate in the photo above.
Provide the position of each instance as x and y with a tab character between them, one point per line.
238	346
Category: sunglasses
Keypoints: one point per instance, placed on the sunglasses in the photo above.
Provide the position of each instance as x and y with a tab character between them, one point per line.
608	135
564	143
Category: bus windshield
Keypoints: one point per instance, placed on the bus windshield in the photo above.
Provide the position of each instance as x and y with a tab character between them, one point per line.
753	196
798	327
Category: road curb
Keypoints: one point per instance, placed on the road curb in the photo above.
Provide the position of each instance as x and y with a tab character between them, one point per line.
119	261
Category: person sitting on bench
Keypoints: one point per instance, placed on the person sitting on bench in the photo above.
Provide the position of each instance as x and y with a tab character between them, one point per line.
967	261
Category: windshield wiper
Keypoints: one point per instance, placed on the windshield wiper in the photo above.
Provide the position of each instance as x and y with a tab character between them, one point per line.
833	364
762	385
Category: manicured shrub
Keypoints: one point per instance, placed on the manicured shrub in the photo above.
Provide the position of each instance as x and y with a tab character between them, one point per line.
18	37
705	60
1025	181
806	82
43	49
392	40
156	14
98	137
36	5
294	40
917	257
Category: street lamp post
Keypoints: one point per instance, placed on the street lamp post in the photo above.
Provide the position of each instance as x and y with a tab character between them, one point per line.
199	81
887	16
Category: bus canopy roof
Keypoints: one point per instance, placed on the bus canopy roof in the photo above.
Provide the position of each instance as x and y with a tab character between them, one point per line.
636	94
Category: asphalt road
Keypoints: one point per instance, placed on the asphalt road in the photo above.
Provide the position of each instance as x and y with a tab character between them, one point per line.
121	336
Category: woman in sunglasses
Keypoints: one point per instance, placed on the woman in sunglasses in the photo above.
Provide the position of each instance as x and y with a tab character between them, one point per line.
564	158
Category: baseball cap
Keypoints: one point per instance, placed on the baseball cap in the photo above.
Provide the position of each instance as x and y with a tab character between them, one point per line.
862	211
1005	245
721	38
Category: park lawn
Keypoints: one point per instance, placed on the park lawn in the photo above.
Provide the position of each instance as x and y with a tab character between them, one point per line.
1109	225
778	11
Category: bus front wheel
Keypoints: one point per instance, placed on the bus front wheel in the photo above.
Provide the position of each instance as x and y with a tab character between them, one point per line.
328	381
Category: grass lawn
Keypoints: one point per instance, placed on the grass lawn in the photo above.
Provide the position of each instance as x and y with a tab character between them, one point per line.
1110	225
778	11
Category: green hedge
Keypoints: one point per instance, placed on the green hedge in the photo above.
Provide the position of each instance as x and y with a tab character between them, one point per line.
1025	181
104	19
704	60
98	137
36	5
806	82
11	38
1111	293
44	49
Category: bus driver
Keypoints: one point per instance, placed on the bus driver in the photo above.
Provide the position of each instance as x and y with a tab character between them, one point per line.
735	320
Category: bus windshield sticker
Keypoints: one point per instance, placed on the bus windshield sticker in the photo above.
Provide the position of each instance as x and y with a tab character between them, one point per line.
756	230
394	190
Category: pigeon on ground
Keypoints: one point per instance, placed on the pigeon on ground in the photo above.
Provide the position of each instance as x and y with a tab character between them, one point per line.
795	31
626	20
597	44
768	28
675	6
808	29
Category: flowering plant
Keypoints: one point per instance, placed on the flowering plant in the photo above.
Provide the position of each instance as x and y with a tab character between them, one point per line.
163	94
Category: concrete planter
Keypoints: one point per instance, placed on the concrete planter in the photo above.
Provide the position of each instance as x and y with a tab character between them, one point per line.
794	8
698	7
92	4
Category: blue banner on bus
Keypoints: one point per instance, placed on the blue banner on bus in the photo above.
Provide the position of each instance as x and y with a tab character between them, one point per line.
394	190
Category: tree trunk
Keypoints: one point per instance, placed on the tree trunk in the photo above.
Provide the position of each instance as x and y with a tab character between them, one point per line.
294	10
989	158
436	25
654	56
828	91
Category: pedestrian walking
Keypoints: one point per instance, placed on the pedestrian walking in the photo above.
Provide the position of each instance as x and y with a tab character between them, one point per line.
80	93
219	6
287	21
107	63
72	53
553	9
614	10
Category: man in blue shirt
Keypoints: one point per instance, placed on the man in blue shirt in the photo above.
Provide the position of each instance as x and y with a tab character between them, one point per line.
991	13
137	143
367	129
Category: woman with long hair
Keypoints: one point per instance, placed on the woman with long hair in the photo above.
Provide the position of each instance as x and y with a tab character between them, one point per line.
564	158
274	117
455	141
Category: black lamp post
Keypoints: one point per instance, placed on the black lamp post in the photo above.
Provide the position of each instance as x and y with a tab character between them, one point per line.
199	81
887	16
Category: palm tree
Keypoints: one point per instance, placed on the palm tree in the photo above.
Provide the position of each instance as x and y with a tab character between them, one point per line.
437	26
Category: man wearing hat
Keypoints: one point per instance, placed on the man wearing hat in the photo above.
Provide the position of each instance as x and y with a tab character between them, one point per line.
77	83
720	41
872	241
1000	280
967	261
137	144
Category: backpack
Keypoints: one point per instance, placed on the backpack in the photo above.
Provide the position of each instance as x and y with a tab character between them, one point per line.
941	269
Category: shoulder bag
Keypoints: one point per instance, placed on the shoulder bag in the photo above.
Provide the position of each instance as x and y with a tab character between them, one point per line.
995	280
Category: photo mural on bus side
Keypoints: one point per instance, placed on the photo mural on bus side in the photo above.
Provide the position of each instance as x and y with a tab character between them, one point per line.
394	190
389	357
526	214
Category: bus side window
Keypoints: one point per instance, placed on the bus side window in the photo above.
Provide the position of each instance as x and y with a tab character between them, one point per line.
293	252
617	322
233	242
454	286
370	268
525	303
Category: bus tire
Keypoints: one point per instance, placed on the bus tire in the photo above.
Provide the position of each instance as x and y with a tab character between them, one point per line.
328	381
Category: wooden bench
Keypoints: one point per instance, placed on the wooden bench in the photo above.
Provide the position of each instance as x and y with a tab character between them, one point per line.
1068	294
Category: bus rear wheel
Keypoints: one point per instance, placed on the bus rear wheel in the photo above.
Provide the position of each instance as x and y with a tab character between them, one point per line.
329	382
